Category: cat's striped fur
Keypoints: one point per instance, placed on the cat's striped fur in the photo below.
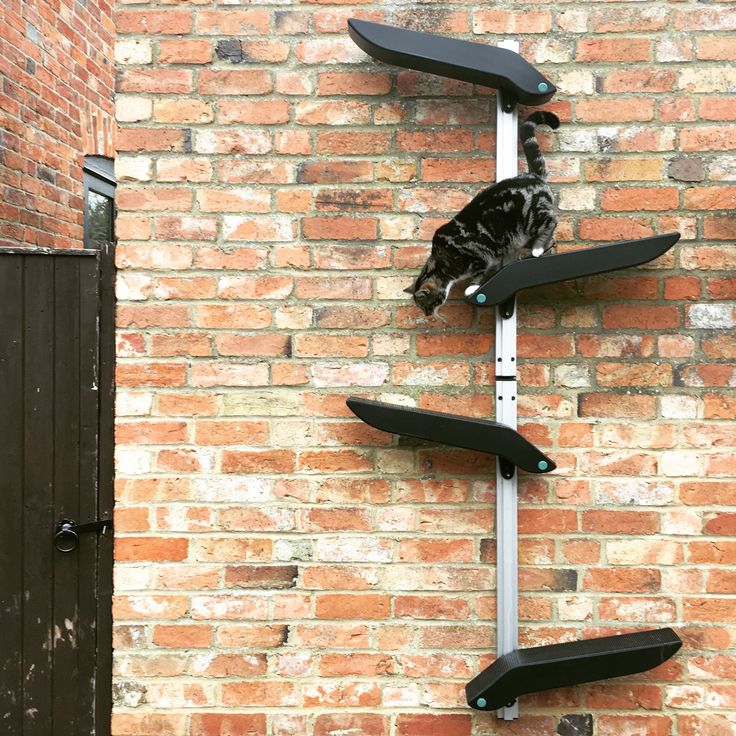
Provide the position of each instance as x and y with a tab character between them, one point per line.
503	220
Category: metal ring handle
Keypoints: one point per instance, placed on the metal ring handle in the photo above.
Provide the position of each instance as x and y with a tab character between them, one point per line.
66	539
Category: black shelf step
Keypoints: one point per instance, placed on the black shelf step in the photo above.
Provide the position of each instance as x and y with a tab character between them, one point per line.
450	429
529	272
559	665
449	57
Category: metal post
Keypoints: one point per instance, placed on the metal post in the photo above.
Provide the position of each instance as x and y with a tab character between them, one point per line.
507	564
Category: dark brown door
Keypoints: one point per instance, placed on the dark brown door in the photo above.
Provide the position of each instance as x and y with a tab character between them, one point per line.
56	312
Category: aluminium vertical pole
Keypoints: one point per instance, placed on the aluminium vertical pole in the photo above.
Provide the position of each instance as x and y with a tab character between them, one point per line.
507	575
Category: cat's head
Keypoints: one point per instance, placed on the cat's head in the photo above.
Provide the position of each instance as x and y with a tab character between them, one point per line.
428	294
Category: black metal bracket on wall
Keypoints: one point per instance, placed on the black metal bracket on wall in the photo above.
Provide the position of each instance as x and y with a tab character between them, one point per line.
515	671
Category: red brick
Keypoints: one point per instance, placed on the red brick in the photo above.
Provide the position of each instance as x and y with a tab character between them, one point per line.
681	288
641	317
620	522
260	693
619	110
150	374
151	724
434	141
253	112
638	80
715	48
420	724
339	228
635	199
622	580
710	724
613	49
178	636
258	461
637	374
455	169
632	725
184	51
709	610
430	607
355	142
228	724
710	138
151	549
232	22
615	228
719	227
346	695
718	109
153	81
625	697
337	724
618	405
352	83
623	169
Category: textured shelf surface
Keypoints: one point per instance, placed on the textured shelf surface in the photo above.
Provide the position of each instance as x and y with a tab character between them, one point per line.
449	57
563	266
450	429
559	665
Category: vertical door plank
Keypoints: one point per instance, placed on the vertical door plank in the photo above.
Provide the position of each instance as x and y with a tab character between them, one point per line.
67	622
87	488
38	437
11	493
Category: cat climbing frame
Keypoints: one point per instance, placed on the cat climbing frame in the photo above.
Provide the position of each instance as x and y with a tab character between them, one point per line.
515	671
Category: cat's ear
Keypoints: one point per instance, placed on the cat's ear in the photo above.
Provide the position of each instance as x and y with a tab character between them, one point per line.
410	289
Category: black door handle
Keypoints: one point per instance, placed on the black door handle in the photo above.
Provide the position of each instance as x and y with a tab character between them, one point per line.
66	536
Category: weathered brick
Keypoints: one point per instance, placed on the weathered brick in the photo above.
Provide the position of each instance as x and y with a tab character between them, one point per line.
613	49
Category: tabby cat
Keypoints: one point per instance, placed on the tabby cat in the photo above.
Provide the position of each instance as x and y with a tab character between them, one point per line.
502	220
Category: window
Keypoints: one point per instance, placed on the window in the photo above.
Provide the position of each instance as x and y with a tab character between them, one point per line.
99	201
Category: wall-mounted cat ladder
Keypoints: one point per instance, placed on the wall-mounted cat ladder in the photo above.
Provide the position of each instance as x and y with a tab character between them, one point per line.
515	671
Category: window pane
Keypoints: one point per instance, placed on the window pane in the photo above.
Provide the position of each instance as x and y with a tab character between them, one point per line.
99	217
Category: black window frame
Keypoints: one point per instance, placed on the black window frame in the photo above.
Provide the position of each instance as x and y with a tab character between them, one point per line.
99	177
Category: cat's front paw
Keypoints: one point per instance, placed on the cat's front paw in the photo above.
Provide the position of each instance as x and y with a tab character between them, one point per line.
471	289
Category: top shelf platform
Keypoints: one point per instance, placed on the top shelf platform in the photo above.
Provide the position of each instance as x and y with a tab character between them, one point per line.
448	57
524	274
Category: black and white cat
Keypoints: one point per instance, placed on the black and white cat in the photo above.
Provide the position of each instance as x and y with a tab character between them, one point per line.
504	219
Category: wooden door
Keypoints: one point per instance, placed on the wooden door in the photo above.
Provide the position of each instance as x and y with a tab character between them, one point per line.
56	360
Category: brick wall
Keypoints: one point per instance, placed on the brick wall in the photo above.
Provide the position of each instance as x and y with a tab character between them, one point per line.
283	569
56	106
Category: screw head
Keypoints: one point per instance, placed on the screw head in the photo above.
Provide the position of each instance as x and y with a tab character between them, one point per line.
481	702
543	465
543	86
481	298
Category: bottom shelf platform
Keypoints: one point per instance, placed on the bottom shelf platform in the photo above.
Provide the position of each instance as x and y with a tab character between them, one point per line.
450	429
559	665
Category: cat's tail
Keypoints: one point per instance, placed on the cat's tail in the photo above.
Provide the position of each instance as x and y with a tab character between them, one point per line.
527	130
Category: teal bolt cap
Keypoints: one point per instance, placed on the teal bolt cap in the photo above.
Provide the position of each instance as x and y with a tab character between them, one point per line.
543	86
481	702
481	298
542	465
